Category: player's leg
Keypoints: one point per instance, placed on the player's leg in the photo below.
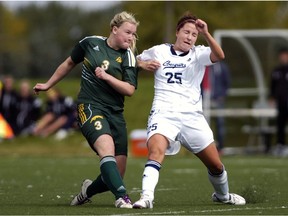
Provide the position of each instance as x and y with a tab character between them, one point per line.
110	176
218	177
98	185
157	145
197	137
109	171
163	128
96	130
216	172
117	126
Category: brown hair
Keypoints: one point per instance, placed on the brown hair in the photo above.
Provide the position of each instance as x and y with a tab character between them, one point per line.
187	17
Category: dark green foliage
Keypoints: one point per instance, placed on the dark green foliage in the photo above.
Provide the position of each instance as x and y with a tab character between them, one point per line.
34	40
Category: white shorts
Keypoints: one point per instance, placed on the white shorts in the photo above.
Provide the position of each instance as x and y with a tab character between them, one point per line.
189	129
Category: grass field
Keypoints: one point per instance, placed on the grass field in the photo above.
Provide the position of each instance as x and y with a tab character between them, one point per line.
40	177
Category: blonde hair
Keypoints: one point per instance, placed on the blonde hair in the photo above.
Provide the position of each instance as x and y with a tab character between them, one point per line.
122	17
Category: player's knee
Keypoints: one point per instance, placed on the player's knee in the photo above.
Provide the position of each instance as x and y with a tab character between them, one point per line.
216	169
156	154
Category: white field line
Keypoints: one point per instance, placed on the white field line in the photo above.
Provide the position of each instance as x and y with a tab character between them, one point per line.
154	213
241	209
202	211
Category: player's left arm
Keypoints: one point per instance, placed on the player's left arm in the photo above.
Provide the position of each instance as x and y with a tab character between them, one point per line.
217	53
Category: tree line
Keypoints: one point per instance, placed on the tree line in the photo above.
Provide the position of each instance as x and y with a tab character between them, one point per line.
35	40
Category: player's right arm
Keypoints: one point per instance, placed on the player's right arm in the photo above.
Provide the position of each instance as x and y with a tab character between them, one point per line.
147	60
58	75
76	57
149	65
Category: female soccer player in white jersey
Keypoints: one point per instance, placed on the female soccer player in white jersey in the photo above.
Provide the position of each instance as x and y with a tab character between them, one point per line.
176	116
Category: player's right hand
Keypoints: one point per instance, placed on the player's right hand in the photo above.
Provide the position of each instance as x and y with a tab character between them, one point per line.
151	65
40	87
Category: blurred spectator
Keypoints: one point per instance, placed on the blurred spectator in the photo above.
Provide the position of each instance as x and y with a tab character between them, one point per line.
8	102
279	96
58	117
219	79
29	109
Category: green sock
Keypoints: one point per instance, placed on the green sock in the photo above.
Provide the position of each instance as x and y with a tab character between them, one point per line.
112	177
97	186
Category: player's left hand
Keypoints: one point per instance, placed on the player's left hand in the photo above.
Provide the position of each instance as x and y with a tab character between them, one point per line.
201	26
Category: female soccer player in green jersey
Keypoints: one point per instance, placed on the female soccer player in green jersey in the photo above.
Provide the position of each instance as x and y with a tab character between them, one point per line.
109	74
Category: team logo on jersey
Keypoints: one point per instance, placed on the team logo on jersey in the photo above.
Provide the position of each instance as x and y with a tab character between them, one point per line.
95	117
96	48
119	60
169	64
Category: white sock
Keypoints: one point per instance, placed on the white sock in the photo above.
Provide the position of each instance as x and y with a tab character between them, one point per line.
220	184
150	179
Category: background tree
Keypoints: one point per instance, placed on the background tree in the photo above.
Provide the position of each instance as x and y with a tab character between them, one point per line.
34	40
13	45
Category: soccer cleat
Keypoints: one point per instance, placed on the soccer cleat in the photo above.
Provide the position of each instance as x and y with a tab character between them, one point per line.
234	199
82	198
123	202
143	202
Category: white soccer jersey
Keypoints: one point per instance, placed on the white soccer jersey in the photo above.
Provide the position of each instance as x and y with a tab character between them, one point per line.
177	81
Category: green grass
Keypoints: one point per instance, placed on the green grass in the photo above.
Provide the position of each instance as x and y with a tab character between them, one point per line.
40	177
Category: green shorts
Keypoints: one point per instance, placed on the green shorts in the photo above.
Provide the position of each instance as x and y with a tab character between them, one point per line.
95	122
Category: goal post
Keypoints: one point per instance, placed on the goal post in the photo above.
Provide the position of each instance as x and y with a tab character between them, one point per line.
253	55
243	38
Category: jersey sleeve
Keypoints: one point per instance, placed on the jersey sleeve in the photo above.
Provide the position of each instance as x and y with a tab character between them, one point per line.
203	55
77	54
148	54
130	71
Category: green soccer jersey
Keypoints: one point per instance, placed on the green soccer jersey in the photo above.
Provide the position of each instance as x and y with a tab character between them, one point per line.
94	52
